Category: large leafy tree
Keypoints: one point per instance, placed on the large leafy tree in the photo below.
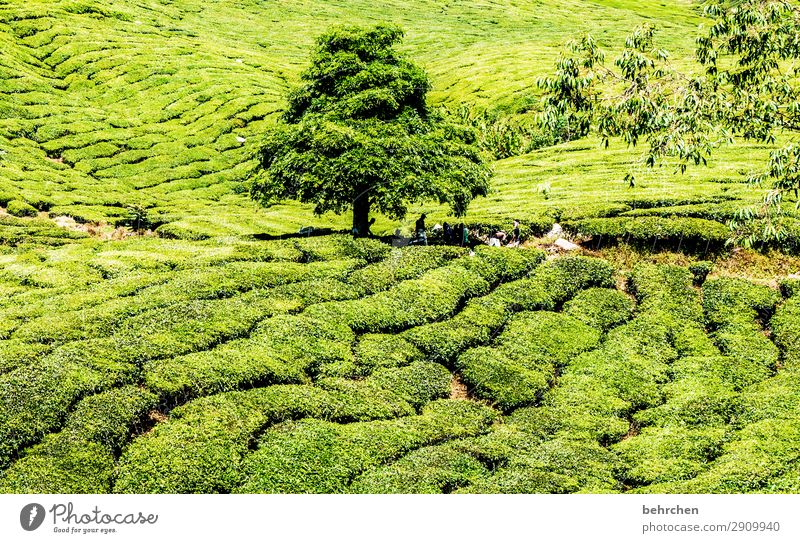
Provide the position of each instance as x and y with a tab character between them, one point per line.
358	134
746	85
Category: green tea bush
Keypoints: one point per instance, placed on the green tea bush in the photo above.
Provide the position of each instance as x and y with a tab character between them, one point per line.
52	275
84	324
368	399
691	339
666	454
583	405
561	465
720	212
665	288
109	418
600	389
521	365
192	326
635	357
18	208
238	363
313	456
775	398
435	295
283	349
754	357
786	331
35	398
576	212
39	202
734	308
591	464
634	376
682	434
175	231
442	341
786	483
496	264
552	338
733	372
267	251
312	292
16	222
752	459
680	231
492	375
402	264
736	304
338	247
375	351
417	383
15	353
600	308
567	276
6	197
665	202
59	466
498	446
523	479
201	447
116	359
550	284
80	459
693	401
222	282
38	237
429	470
539	423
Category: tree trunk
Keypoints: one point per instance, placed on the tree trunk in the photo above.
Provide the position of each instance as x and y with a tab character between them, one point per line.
361	207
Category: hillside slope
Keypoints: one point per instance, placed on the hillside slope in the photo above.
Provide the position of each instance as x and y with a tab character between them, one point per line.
159	103
197	365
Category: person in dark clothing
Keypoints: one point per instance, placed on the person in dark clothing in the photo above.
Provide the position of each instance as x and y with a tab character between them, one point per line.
422	236
448	233
464	234
369	226
421	222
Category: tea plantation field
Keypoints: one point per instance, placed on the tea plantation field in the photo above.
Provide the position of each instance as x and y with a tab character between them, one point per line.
332	365
160	105
222	353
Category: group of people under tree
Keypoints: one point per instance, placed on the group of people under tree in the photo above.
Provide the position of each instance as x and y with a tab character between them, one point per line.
498	238
455	234
459	234
452	236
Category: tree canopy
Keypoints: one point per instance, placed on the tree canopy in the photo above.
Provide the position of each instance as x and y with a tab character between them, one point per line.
358	134
746	85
